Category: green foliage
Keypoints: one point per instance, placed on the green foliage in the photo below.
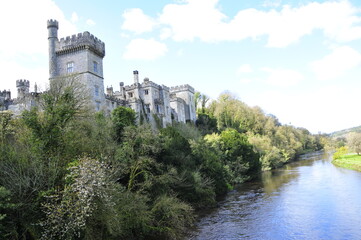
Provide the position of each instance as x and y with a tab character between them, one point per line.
63	102
6	128
136	155
89	190
176	151
275	143
210	159
349	161
69	173
121	118
340	152
243	162
206	123
172	217
6	206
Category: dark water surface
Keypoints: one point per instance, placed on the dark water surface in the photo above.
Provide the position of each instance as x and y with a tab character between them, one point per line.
308	199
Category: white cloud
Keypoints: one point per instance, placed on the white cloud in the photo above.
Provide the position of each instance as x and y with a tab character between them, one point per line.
74	17
202	19
135	20
335	64
90	22
245	68
195	19
28	25
283	77
145	49
245	80
24	42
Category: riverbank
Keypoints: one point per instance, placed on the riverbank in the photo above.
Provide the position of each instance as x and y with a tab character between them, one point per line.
349	161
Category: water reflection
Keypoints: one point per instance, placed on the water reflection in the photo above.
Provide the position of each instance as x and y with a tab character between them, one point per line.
308	199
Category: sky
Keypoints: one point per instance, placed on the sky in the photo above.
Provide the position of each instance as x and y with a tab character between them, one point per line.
298	60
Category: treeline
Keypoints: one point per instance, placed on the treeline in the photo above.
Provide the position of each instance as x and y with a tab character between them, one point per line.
276	144
67	173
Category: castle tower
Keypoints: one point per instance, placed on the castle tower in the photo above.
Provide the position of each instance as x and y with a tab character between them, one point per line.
186	93
23	87
52	40
78	56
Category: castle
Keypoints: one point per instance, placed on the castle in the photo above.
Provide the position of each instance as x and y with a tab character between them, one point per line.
82	56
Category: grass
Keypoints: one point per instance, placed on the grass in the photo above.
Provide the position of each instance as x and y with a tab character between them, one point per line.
350	161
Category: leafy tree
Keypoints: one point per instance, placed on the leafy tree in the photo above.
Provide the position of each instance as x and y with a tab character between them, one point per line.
6	127
71	212
172	217
211	166
64	101
5	206
206	123
238	155
340	152
176	149
121	118
136	156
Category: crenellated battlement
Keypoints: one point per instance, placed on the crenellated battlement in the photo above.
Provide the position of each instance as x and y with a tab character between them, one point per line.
81	41
53	23
180	88
148	83
22	83
165	88
6	95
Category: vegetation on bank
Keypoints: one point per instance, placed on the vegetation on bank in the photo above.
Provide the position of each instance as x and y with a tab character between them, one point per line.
348	156
349	161
68	173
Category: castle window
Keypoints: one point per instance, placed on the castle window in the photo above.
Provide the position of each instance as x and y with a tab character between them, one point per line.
96	91
130	94
146	92
147	108
70	67
97	105
95	64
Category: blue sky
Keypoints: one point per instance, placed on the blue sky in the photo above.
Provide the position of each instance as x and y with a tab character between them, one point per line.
298	60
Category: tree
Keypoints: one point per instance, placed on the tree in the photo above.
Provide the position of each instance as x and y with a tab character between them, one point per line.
354	141
238	156
121	118
136	156
87	196
64	101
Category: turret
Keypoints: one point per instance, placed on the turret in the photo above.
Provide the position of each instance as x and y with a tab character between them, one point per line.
121	85
23	87
52	39
110	91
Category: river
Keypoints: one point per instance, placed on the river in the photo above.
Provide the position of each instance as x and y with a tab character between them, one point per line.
308	199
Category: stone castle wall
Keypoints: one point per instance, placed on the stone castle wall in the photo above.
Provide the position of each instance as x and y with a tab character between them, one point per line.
85	51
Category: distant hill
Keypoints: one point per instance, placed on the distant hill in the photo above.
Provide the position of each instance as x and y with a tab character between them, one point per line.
343	133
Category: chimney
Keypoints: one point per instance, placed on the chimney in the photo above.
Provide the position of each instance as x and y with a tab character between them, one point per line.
136	78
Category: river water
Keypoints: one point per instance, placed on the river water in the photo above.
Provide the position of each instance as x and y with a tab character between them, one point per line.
307	199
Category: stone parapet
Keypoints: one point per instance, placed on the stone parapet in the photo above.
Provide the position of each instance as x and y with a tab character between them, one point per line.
180	88
22	83
81	41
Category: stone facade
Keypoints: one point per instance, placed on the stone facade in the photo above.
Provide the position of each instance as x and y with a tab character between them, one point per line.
25	99
82	56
